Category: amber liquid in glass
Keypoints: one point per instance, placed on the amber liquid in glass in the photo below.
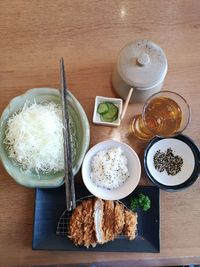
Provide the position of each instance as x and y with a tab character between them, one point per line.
162	116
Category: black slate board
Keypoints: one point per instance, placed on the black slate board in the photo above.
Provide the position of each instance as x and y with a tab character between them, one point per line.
50	204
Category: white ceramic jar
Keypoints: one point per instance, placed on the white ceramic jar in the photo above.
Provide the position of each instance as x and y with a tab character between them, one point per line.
141	65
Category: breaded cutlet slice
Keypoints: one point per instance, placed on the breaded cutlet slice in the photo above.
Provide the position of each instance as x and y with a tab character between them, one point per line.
130	225
98	220
108	225
89	237
118	218
76	226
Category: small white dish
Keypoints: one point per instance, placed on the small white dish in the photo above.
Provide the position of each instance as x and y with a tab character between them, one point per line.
116	101
130	184
181	146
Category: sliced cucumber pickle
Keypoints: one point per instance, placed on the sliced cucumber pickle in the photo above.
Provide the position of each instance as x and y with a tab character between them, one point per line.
108	120
102	108
112	111
108	111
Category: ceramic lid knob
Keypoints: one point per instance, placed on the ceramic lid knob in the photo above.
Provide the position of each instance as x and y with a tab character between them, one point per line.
143	59
142	64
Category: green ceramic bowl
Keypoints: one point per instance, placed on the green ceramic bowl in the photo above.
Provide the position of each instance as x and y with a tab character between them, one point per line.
80	128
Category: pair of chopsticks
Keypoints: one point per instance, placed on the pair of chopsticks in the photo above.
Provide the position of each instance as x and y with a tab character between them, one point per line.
68	167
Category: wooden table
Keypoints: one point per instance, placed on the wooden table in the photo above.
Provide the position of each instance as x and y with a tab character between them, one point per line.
89	34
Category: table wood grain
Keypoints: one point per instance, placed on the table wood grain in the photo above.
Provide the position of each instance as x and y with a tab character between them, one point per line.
89	35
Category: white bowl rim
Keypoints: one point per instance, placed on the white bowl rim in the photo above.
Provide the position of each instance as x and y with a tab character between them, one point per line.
119	195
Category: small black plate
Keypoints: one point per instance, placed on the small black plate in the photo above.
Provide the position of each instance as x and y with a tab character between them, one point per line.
196	171
50	204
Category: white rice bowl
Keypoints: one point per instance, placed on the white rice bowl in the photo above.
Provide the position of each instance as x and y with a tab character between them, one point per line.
118	188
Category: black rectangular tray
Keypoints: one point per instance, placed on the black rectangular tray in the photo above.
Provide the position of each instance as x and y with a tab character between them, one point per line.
50	204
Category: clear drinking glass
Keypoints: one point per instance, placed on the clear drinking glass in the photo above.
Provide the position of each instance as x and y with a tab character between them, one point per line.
164	114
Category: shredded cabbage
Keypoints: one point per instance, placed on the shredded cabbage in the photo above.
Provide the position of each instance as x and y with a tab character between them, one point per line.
34	137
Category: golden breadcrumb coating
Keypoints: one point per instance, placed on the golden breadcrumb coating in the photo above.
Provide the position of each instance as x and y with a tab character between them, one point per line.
76	226
88	228
108	226
118	219
99	221
130	226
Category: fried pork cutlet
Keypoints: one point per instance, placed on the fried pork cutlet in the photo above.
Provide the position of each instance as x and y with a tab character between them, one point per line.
88	225
118	218
108	225
76	226
130	224
98	220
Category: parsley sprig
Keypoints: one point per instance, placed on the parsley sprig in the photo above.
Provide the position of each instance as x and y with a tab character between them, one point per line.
141	201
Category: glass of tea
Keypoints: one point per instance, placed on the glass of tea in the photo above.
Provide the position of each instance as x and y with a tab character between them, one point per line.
164	114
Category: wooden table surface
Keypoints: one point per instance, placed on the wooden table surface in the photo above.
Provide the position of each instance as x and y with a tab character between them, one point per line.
89	34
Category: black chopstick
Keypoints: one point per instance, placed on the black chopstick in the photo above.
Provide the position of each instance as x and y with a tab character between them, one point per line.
69	177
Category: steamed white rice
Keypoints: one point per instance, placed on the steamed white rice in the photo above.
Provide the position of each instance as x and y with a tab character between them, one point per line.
109	168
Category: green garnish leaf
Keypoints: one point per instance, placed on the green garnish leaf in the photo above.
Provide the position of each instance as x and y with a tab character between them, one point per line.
134	203
141	201
144	201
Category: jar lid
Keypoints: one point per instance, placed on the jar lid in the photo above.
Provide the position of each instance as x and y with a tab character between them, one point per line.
142	64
